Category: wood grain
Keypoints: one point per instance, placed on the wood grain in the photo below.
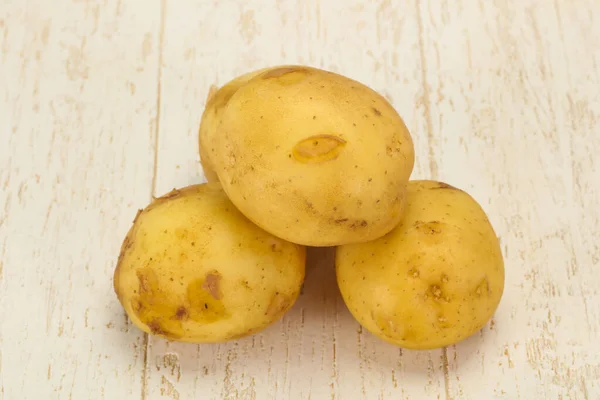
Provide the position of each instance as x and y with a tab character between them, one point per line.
77	110
502	89
99	110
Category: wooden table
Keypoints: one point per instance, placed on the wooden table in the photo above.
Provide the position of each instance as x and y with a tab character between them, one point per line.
99	108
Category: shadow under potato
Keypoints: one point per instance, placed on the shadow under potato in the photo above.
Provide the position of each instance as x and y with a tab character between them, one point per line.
320	293
320	270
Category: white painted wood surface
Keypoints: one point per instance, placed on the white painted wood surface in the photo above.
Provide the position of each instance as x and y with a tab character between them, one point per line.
99	109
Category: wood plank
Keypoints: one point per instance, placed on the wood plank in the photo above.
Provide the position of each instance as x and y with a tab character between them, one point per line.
514	106
317	345
77	106
99	110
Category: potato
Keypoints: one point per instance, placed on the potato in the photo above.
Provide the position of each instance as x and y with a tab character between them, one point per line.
194	269
209	125
436	279
314	157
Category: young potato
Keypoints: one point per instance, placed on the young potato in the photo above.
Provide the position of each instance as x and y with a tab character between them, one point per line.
194	269
209	125
436	279
314	157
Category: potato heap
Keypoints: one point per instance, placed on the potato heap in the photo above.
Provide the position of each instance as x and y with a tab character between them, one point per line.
297	156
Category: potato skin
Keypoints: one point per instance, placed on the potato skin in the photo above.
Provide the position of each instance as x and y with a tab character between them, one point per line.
314	157
192	268
216	102
434	280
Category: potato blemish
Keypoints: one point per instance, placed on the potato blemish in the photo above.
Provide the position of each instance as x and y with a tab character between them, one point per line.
442	185
211	284
287	75
155	327
436	293
430	228
275	245
171	195
483	288
181	313
204	307
318	149
223	98
432	232
137	215
386	325
147	279
279	303
152	306
414	273
443	322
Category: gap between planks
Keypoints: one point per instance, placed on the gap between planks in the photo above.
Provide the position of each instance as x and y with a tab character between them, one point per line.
161	39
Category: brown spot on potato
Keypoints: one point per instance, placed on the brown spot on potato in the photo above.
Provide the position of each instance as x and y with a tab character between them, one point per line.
153	306
171	195
428	228
203	307
128	242
410	335
147	280
318	149
277	72
275	245
136	305
117	273
341	220
308	204
386	325
442	185
443	321
182	313
231	158
212	284
160	200
278	305
156	327
137	215
245	284
221	97
181	233
361	223
376	111
286	75
413	272
483	288
436	292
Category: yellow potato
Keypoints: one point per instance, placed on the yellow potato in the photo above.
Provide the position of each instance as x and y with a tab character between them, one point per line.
314	157
436	279
209	125
194	269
